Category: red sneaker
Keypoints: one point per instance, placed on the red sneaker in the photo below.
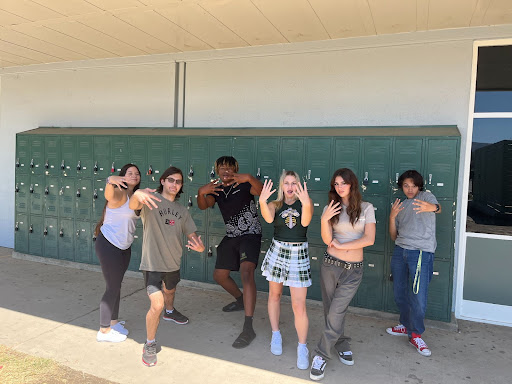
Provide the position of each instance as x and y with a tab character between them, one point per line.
397	330
417	342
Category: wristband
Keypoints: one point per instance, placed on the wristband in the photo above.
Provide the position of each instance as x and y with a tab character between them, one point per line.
437	208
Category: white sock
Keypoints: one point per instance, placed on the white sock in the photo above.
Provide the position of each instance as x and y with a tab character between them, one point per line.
150	341
169	310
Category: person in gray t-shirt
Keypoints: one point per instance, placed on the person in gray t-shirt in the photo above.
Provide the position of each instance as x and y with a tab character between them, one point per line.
165	222
412	226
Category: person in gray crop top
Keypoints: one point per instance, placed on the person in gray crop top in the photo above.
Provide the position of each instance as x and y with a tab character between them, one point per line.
114	249
287	259
412	226
347	225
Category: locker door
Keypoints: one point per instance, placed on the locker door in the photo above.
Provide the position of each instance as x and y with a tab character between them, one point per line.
66	239
51	196
445	229
120	153
219	146
68	156
67	195
22	154
138	156
389	296
85	156
136	248
83	238
50	237
102	161
36	194
314	230
211	256
199	167
158	158
369	294
376	164
189	199
98	199
381	209
267	159
21	191
195	264
35	235
215	221
84	199
347	154
439	292
261	281
53	156
177	155
21	233
407	155
292	156
36	164
316	258
244	153
441	167
318	163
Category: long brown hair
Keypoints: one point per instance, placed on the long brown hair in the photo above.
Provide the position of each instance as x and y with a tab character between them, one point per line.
354	198
122	172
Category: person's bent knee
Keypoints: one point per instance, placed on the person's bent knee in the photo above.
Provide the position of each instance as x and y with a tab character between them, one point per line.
220	275
247	271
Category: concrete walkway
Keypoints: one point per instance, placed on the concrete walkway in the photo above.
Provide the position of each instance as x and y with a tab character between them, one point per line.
52	311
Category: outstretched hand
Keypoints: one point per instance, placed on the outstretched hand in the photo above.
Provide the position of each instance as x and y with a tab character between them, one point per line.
212	188
423	206
267	190
302	193
119	181
396	208
195	244
332	210
146	197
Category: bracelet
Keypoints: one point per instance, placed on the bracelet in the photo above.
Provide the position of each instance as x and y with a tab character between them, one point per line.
108	180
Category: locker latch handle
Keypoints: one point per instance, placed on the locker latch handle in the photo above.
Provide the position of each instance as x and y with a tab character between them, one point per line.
61	232
212	173
112	169
190	201
396	177
46	190
77	233
79	165
17	162
191	172
429	179
31	228
32	163
62	165
47	164
16	227
390	277
96	166
61	192
95	195
31	188
210	252
150	170
365	180
309	174
258	174
78	193
17	188
45	232
93	238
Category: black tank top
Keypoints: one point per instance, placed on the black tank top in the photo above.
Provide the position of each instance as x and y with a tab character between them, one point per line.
287	223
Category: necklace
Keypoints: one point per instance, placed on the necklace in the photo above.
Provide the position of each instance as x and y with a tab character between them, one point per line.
226	194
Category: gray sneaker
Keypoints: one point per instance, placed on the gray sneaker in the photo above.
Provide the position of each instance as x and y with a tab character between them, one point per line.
346	357
175	316
149	354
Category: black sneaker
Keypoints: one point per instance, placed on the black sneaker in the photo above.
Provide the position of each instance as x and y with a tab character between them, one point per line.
317	368
175	316
234	306
149	354
346	357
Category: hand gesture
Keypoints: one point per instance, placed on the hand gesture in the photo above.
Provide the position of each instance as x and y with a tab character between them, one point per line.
302	193
211	188
332	210
395	208
146	197
239	178
267	191
423	206
195	244
119	181
335	244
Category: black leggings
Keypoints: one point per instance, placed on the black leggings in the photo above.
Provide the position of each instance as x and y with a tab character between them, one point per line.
114	263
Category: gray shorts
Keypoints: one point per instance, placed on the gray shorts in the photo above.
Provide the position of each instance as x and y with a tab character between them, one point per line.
153	280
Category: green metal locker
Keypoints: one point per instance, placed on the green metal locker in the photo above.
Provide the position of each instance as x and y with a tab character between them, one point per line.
319	202
267	159
407	155
316	257
244	153
66	239
261	281
36	194
21	190
347	154
36	164
53	156
195	262
85	156
177	154
50	237
439	292
68	156
199	167
318	163
98	198
445	230
158	158
381	210
441	167
23	154
189	199
211	245
83	240
35	235
67	195
376	165
138	156
218	146
51	196
84	199
292	156
120	153
369	294
102	160
136	248
21	233
215	221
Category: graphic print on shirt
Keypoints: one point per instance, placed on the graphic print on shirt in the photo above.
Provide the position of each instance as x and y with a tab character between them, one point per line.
290	217
244	223
164	213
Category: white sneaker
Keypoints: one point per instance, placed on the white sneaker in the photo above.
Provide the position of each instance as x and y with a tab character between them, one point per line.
317	368
113	336
119	327
302	357
276	344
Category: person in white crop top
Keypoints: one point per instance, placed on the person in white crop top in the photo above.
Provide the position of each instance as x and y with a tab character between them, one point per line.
347	226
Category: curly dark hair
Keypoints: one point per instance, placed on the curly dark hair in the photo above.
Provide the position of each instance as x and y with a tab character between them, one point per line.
415	176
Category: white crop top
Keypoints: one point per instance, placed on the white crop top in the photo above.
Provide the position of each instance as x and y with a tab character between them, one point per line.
344	232
119	225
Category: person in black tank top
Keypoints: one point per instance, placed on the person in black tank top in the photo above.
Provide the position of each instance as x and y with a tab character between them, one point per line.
287	260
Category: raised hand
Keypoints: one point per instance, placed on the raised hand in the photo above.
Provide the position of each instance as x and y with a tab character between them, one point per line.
423	206
302	193
396	208
267	191
196	244
211	188
239	178
146	197
120	181
332	210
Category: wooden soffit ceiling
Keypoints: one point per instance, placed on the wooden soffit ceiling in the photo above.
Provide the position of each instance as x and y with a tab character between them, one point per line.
47	31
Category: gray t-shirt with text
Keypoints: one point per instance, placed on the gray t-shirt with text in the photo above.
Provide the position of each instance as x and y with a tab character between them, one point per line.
417	230
164	227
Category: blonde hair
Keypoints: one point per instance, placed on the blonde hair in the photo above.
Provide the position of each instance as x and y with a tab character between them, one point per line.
280	192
